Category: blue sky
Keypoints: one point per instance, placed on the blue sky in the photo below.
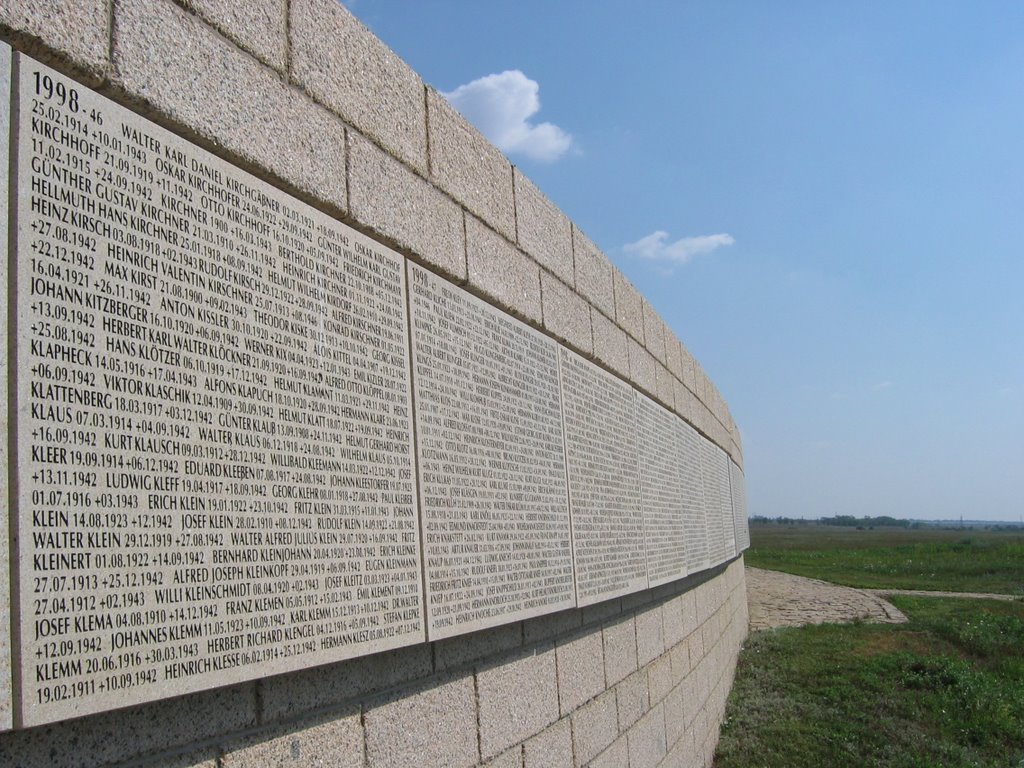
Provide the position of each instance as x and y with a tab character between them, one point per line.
825	201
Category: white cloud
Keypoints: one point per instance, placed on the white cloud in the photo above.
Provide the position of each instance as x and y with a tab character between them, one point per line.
657	248
882	385
501	107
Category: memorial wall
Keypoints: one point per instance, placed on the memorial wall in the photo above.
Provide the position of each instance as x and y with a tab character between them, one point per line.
251	435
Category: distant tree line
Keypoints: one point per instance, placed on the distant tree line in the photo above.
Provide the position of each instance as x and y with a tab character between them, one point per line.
885	521
882	521
848	521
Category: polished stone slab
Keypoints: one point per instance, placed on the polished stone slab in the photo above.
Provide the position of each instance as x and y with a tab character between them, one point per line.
694	512
494	504
599	414
5	569
214	422
661	488
737	484
718	503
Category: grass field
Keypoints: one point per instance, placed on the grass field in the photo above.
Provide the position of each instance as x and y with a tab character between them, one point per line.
949	560
945	690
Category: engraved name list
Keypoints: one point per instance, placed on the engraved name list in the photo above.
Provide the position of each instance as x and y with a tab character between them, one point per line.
214	419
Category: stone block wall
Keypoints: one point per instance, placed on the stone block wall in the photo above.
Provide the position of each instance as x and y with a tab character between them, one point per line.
636	681
302	95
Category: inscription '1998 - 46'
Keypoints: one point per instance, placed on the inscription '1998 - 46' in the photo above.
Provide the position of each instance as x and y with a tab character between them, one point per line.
214	425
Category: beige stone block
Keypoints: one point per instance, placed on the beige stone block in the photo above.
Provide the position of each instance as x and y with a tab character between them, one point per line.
702	418
674	355
127	734
619	649
501	272
632	698
680	656
703	384
551	625
347	68
610	347
594	727
399	205
518	698
655	333
689	366
629	307
660	679
206	757
594	273
335	740
688	604
230	100
580	669
692	697
566	314
616	756
685	402
642	367
513	758
647	742
550	749
285	696
672	622
665	386
677	757
707	602
709	637
468	167
675	715
76	30
434	724
650	635
542	230
667	591
258	26
601	612
637	600
703	677
716	403
463	649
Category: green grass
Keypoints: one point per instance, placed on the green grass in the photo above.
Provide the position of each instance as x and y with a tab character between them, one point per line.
946	690
945	560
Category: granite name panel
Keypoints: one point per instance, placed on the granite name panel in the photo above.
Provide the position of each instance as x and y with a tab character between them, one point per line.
599	416
725	493
494	504
215	468
694	510
661	489
6	711
717	503
739	507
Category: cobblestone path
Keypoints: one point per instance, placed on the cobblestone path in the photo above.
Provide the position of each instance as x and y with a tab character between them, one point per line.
782	600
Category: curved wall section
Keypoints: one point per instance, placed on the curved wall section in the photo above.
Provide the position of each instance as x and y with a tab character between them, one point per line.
333	439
